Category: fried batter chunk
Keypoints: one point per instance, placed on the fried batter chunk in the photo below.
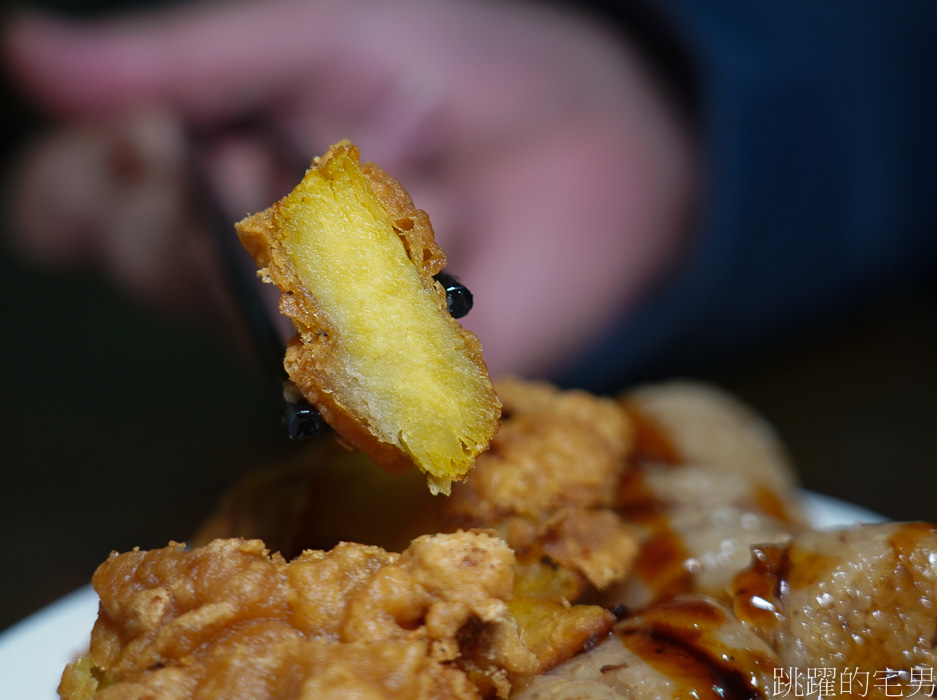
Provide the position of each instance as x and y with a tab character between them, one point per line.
548	485
376	352
549	479
229	619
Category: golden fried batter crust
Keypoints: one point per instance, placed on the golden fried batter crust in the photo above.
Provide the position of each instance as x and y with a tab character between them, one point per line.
566	449
548	485
549	480
376	352
556	448
353	622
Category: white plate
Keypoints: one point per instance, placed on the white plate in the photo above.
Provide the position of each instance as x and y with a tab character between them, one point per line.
34	651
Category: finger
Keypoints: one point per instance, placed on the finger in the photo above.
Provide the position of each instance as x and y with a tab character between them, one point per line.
206	60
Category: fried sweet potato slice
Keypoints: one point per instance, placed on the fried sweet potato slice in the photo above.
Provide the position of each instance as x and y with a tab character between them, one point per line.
554	629
376	352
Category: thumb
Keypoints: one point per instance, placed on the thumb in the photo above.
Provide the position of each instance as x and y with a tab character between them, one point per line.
208	61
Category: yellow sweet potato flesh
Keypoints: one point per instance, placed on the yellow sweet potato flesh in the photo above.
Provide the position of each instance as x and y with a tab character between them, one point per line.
380	356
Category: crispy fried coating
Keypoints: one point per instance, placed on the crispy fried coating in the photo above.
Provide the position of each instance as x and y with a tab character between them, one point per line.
548	485
550	477
560	456
376	352
553	629
230	619
556	449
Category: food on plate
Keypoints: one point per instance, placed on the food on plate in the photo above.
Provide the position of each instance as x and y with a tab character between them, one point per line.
649	546
840	613
357	621
376	351
686	647
661	492
547	485
645	546
658	493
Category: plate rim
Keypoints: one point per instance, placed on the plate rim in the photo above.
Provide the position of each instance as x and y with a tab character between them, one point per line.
34	651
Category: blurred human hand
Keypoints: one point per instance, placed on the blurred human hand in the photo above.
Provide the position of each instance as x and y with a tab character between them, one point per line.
558	178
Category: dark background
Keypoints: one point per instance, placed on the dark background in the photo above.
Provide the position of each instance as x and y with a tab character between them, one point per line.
120	428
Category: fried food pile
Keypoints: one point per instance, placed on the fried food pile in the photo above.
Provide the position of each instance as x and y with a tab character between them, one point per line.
845	613
645	546
376	352
621	493
231	619
547	485
649	546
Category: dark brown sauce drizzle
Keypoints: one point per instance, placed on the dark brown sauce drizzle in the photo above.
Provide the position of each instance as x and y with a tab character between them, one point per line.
679	640
757	590
651	440
661	565
634	500
694	672
636	503
661	562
